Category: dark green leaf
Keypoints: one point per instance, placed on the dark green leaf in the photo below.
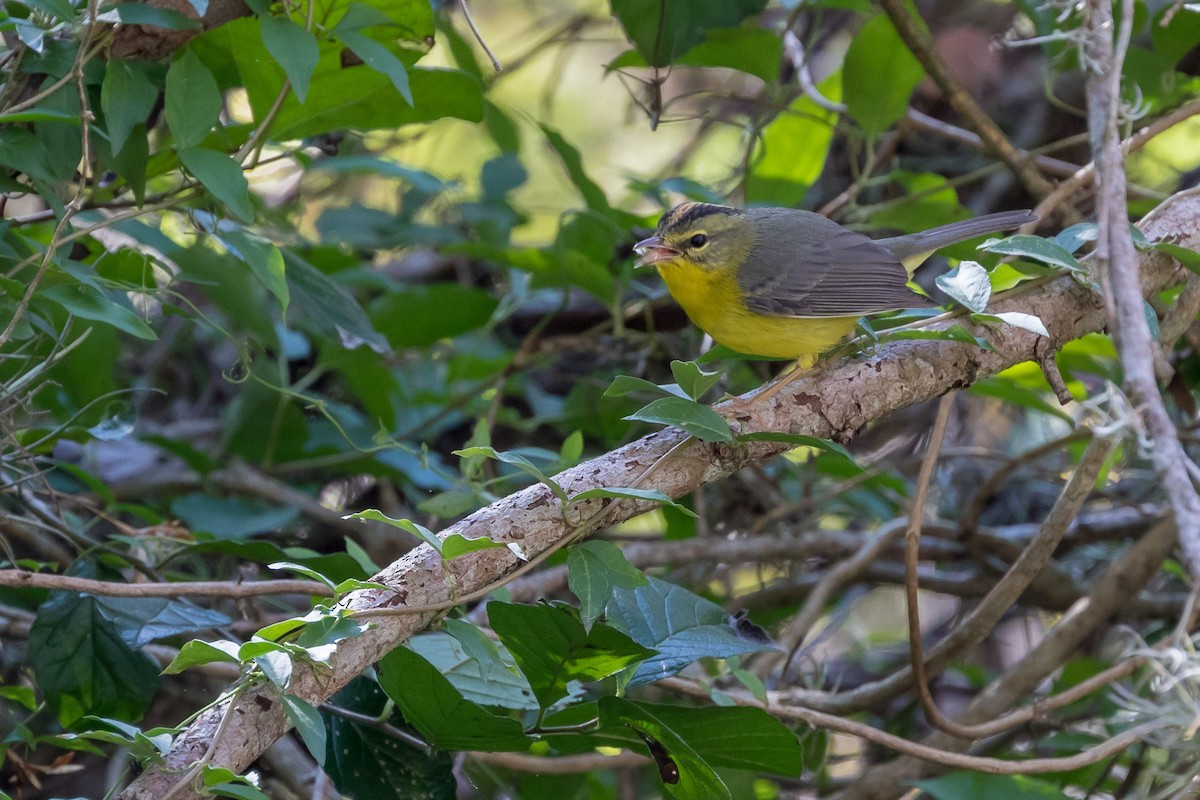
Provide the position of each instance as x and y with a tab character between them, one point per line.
127	96
231	517
733	738
222	177
954	333
439	713
418	316
153	17
193	101
663	30
551	647
593	569
327	308
264	259
681	626
307	722
377	57
592	194
141	620
683	771
293	48
694	418
879	76
81	664
366	762
88	303
490	682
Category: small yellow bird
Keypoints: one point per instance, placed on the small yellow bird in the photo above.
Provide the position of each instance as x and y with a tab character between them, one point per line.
786	283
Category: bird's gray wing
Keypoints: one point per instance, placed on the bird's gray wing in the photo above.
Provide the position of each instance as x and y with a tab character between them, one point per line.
809	266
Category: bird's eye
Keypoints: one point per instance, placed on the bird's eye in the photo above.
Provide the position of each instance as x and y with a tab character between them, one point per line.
698	241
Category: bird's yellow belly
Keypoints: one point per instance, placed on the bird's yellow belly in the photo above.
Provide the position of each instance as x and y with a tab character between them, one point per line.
714	303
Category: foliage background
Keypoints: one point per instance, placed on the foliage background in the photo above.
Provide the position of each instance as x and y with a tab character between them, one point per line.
306	260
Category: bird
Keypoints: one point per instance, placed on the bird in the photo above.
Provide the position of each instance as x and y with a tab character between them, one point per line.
788	283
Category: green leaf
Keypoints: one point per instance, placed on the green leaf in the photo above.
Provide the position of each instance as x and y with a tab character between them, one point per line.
693	380
592	194
954	333
593	569
439	713
623	385
1185	256
653	495
222	177
88	303
293	48
327	308
879	76
979	786
193	101
366	762
456	545
152	16
730	738
518	461
196	652
418	316
231	517
683	771
967	284
141	620
492	682
552	648
373	53
800	441
790	155
1012	392
694	418
264	259
681	626
663	30
82	665
1036	248
420	531
307	722
127	97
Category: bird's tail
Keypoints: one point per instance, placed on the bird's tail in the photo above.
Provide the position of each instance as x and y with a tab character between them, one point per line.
914	248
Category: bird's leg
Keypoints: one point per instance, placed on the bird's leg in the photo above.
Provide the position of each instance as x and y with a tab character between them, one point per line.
803	365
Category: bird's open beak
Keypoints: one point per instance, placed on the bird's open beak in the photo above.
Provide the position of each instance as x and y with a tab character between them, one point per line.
654	251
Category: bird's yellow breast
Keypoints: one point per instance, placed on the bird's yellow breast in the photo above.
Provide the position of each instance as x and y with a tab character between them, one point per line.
713	301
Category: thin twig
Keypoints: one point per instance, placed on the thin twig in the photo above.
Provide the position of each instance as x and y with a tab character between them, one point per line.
1119	273
917	40
66	583
479	37
1006	591
1087	173
992	766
